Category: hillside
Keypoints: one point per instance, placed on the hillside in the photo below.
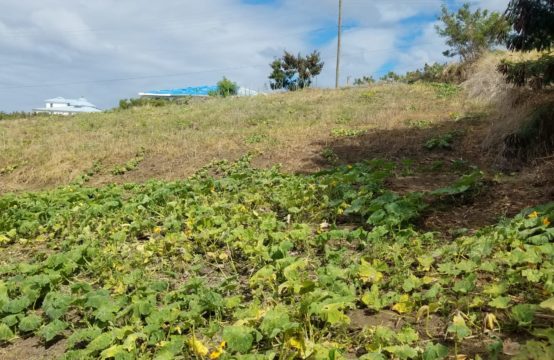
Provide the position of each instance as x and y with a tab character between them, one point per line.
292	129
387	231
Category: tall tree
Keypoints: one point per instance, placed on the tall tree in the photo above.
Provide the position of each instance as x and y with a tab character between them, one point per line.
293	72
532	24
470	33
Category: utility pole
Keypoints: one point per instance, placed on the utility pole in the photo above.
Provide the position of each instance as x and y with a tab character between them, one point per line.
339	45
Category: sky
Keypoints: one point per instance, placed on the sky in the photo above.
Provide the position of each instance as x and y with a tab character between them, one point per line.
107	50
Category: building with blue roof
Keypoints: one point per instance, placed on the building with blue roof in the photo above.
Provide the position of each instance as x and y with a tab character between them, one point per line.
198	91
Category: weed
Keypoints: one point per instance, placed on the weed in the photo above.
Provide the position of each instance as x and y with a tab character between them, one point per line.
342	132
369	95
330	155
445	90
129	165
255	139
8	169
441	142
420	124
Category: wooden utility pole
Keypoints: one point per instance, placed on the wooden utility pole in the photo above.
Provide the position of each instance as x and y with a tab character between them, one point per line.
337	79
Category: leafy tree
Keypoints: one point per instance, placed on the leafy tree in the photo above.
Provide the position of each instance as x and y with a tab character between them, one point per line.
391	76
470	33
532	23
226	87
366	80
293	72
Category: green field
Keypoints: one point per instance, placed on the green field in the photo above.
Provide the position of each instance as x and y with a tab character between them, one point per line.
240	263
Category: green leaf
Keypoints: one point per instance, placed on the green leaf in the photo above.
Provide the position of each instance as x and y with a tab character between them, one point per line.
30	323
402	352
407	336
435	352
524	314
239	338
459	328
106	312
275	321
501	302
372	299
83	336
101	342
548	304
52	330
6	334
16	306
56	304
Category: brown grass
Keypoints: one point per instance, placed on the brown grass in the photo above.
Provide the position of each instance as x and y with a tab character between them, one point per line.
513	107
291	129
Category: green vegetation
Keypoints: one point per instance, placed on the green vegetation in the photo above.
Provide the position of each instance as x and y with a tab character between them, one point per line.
295	72
441	142
125	104
532	24
365	80
225	88
252	264
342	132
469	33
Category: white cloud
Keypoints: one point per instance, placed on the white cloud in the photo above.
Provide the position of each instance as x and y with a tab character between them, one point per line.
80	43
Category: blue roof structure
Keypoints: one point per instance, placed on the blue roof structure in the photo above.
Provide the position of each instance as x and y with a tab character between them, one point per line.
190	91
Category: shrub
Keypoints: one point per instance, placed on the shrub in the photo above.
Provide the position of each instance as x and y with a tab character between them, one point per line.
225	87
125	104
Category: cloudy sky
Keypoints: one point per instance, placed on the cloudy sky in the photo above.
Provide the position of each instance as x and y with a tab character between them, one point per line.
106	50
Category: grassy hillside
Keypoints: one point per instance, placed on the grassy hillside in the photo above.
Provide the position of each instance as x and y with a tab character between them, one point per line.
174	141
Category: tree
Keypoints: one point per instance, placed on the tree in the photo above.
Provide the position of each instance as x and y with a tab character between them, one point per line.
226	87
293	72
470	33
391	76
366	80
532	24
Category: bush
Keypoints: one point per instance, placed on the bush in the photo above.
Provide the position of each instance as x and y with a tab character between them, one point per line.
225	87
125	104
534	73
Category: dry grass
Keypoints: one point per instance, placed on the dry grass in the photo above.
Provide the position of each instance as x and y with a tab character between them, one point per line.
513	107
291	129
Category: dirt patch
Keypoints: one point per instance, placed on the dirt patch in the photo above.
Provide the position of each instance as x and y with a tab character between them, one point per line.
362	318
32	348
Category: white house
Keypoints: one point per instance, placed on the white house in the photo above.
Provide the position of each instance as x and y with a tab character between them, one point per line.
62	106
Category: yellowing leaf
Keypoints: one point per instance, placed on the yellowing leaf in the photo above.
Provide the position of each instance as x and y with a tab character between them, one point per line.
546	221
368	273
219	351
534	215
296	344
198	347
491	322
404	305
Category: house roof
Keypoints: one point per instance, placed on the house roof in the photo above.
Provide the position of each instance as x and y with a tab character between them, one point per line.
190	91
195	91
70	109
81	102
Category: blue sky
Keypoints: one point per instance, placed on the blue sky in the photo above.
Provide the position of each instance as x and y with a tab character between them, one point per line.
106	50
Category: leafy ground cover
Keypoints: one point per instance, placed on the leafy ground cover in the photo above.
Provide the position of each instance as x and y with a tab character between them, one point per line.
244	263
